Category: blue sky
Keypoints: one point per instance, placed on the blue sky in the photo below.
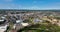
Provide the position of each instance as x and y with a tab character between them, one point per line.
29	4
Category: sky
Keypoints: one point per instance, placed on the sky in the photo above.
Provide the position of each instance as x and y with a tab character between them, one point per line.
30	4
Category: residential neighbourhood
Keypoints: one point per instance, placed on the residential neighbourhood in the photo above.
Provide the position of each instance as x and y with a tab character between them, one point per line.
14	22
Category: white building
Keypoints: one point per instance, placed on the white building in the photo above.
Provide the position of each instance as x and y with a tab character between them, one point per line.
3	17
19	21
3	28
24	24
1	20
36	20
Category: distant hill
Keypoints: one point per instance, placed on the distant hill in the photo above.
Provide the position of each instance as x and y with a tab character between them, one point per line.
26	10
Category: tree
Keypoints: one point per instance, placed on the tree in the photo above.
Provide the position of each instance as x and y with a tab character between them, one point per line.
41	28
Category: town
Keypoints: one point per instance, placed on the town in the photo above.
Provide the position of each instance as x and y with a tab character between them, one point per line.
12	21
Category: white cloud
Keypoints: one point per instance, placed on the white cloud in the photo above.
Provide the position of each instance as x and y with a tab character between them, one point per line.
17	6
10	6
31	7
40	8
